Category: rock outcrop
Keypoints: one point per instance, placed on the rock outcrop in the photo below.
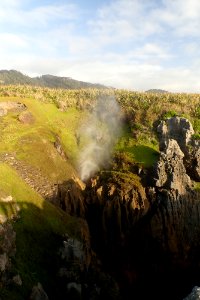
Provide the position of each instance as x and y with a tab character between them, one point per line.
175	128
70	197
170	170
38	293
26	117
181	130
11	106
7	251
195	294
175	223
149	231
115	203
193	161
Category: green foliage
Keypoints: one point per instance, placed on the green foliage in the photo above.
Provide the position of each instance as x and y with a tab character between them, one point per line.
196	136
197	112
196	125
141	150
137	126
169	114
38	138
196	186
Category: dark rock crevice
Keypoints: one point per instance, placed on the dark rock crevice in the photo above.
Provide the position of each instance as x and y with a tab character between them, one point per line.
147	237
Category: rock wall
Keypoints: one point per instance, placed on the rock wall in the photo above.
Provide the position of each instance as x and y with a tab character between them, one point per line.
146	234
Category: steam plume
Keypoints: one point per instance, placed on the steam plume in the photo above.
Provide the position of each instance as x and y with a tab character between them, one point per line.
99	134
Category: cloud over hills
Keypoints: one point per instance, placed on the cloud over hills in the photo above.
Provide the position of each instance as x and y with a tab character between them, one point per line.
124	43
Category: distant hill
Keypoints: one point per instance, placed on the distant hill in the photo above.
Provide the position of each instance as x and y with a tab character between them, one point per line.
8	77
157	91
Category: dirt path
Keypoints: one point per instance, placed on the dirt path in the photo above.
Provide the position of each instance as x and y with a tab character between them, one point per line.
32	176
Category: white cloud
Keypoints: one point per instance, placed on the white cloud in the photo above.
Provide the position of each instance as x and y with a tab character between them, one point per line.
40	16
9	40
135	76
183	17
130	44
124	19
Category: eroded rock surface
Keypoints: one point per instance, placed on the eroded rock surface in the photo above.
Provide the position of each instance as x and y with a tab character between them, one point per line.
181	130
7	251
175	128
170	169
70	197
38	293
146	233
195	294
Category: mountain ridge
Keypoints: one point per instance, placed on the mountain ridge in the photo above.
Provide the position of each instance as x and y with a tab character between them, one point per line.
9	77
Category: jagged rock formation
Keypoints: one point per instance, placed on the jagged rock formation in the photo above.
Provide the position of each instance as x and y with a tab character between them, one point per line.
175	128
70	197
7	251
111	206
194	160
114	206
176	220
195	294
181	130
38	293
80	275
170	169
153	230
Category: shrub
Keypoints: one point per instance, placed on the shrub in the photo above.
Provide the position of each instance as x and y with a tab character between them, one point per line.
169	114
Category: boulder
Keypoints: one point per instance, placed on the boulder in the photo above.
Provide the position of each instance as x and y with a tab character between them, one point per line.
11	106
38	293
7	251
74	290
17	280
3	111
195	294
3	262
176	128
26	117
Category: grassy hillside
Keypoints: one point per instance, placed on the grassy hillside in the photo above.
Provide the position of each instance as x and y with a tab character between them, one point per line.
38	233
33	143
28	150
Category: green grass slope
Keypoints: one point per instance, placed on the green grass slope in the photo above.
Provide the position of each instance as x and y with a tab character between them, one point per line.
38	233
41	225
33	143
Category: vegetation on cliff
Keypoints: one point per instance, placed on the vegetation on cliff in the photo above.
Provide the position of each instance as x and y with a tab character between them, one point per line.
41	150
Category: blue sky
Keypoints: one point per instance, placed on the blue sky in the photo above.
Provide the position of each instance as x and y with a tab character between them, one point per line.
131	44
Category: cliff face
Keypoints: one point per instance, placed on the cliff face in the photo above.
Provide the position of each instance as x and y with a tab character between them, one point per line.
176	222
147	234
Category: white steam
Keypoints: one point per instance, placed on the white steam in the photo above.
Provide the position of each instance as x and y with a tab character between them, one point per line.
99	135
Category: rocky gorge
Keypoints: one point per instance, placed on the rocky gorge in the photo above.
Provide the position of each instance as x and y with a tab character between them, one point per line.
146	229
130	231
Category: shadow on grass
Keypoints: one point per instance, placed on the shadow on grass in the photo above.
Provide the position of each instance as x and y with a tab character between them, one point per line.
39	235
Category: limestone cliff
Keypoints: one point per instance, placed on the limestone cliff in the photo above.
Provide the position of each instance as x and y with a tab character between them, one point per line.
146	232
